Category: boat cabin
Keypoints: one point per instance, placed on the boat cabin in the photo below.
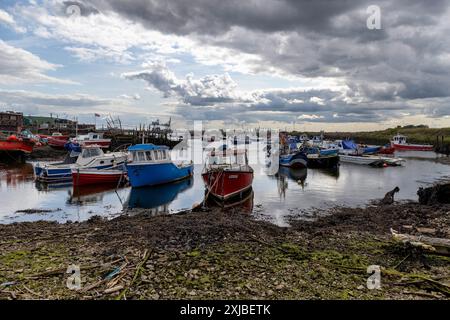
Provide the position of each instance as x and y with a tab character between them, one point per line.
90	136
399	139
227	157
149	153
88	154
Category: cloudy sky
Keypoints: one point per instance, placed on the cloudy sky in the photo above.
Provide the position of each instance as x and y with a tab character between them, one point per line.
273	63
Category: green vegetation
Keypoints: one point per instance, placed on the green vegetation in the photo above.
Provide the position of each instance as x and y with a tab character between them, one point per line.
415	134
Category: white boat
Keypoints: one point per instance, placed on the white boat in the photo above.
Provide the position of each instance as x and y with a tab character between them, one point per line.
371	160
92	138
91	157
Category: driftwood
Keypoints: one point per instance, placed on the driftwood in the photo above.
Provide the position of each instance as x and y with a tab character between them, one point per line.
439	193
433	245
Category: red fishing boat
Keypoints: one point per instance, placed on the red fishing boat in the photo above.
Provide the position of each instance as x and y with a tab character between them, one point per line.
57	140
16	144
399	143
227	174
82	177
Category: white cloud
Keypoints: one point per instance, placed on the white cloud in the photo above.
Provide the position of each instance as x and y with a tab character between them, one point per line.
136	96
207	90
7	19
18	66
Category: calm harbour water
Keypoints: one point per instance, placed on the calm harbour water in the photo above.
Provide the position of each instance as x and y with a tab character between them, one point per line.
275	197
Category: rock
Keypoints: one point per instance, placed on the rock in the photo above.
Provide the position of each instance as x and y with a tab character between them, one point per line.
360	287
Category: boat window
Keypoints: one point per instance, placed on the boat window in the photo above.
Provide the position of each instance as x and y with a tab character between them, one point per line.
134	156
164	154
156	155
141	156
148	154
88	153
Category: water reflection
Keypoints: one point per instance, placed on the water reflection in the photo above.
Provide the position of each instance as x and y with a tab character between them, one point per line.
157	198
82	195
276	196
294	174
243	203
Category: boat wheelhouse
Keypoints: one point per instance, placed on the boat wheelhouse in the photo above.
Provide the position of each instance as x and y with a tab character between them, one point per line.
150	165
227	174
92	138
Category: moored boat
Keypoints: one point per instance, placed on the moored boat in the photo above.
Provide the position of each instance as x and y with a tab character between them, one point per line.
227	174
371	160
91	157
92	138
399	143
16	144
321	158
88	176
57	140
151	165
295	159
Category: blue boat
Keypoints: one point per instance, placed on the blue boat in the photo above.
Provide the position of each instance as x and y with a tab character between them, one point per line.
295	159
364	149
151	165
321	158
320	151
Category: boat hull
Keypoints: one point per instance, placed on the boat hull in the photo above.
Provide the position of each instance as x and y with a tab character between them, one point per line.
16	146
57	142
412	147
59	174
225	184
297	160
150	174
83	177
330	161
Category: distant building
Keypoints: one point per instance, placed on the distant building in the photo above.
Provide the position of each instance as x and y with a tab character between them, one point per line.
11	121
49	125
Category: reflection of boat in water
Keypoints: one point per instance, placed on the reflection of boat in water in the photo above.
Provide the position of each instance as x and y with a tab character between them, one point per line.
242	203
332	172
295	174
298	175
89	193
155	197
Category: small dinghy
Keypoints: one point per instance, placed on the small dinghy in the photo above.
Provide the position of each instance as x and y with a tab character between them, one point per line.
374	161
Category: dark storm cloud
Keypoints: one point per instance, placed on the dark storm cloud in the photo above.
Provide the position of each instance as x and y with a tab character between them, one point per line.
384	69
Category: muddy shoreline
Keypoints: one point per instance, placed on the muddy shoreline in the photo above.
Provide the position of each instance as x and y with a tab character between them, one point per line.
226	255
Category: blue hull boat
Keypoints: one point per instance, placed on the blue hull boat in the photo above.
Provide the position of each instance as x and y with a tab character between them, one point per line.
294	160
151	165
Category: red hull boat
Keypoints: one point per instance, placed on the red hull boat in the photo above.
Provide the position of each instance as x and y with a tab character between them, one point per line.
387	150
227	183
14	144
83	177
57	141
399	143
226	176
